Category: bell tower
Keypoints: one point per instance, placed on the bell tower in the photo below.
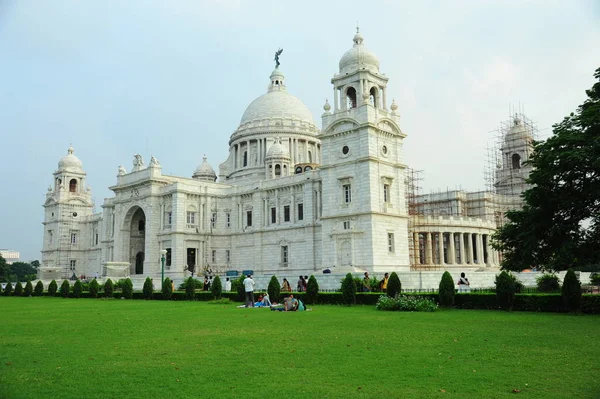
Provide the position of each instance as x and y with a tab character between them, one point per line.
364	209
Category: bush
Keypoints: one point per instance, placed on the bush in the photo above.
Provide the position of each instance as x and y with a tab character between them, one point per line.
127	288
52	288
394	286
571	291
167	289
216	288
94	287
28	288
407	303
505	290
237	286
595	278
312	290
65	287
18	289
548	283
77	289
148	289
8	289
349	290
109	288
274	289
446	291
39	289
190	288
199	285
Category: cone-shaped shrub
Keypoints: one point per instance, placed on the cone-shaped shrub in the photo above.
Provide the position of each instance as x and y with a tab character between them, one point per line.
52	288
274	289
28	289
65	287
237	285
94	287
109	288
394	286
349	290
18	289
216	288
571	291
167	289
8	289
446	290
77	289
39	289
312	290
148	289
190	289
127	288
505	290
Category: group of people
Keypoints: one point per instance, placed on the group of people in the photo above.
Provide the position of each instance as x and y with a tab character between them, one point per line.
368	287
290	304
300	285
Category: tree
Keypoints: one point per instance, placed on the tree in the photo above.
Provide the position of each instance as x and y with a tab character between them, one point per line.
8	289
52	288
274	289
312	290
559	225
394	286
94	287
148	289
216	288
23	271
39	289
190	289
18	289
127	288
4	269
65	287
77	289
109	288
446	290
167	289
571	291
505	290
28	288
349	290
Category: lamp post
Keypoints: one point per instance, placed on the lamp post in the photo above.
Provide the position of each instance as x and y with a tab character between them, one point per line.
163	252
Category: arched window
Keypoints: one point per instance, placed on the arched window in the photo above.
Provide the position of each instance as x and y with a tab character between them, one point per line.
141	225
277	170
73	185
245	158
373	94
351	97
516	161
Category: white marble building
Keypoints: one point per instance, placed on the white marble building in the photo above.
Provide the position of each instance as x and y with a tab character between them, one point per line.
289	199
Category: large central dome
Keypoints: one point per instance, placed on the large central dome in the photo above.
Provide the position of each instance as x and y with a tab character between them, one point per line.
277	103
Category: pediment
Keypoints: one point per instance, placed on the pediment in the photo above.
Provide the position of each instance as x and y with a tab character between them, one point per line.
342	125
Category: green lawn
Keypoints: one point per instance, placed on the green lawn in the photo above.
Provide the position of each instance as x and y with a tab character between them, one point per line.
84	348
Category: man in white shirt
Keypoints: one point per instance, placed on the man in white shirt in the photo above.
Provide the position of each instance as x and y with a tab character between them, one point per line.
227	285
249	288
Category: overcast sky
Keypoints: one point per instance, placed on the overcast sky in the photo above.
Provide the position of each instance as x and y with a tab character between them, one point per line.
173	78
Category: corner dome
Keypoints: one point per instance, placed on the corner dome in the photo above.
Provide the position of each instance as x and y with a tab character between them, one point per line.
277	150
70	163
358	57
205	172
518	130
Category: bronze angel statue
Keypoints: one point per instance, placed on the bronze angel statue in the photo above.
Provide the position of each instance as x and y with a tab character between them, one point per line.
277	54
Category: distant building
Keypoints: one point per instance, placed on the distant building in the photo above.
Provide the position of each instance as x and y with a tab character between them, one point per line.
10	256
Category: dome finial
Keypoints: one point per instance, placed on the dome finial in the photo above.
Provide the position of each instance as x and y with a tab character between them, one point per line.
357	27
70	150
358	39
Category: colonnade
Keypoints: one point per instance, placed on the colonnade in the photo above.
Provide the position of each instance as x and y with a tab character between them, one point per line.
255	151
454	248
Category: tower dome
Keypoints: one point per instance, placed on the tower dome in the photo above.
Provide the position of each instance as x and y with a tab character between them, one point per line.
277	150
205	172
358	57
70	163
518	131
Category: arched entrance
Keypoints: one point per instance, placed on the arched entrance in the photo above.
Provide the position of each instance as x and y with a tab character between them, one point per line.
137	241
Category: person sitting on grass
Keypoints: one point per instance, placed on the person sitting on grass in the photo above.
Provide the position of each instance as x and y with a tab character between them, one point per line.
290	304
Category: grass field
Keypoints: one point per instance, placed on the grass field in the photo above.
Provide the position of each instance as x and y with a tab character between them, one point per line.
83	348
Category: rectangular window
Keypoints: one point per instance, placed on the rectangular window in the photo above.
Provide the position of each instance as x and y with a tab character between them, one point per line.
213	220
347	193
284	255
391	242
227	256
213	257
168	257
300	211
386	193
169	218
273	215
228	217
72	264
249	218
96	239
191	218
286	213
346	225
73	238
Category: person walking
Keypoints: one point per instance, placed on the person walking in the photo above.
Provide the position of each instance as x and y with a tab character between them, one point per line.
285	287
227	285
249	288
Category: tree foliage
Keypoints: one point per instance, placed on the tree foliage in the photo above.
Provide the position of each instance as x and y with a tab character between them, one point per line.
109	288
312	290
127	288
148	288
65	287
446	290
571	291
22	271
4	269
18	289
28	289
93	288
274	289
190	289
505	290
349	290
52	288
8	289
216	288
559	225
39	289
167	289
77	289
394	286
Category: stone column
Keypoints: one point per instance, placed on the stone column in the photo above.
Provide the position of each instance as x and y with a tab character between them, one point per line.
451	249
489	250
480	259
415	254
441	247
428	250
335	99
384	105
461	247
471	256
